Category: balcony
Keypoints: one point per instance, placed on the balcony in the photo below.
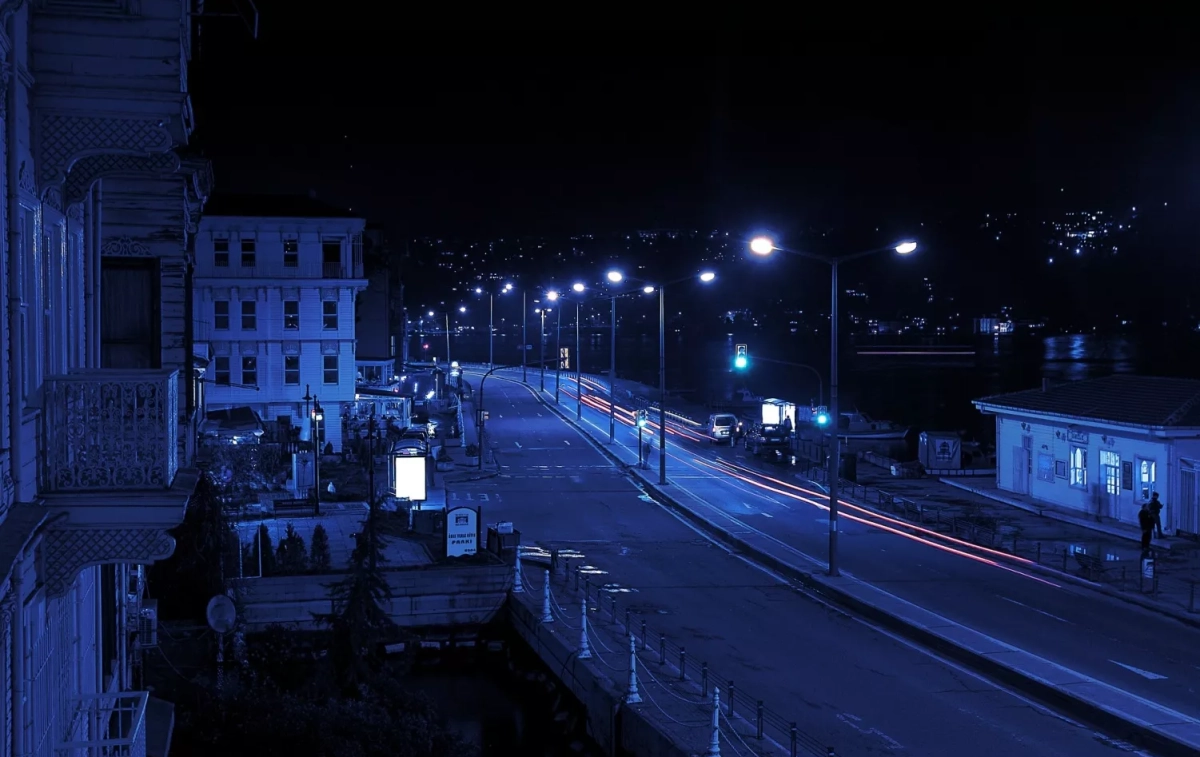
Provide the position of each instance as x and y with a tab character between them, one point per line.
111	429
107	725
333	271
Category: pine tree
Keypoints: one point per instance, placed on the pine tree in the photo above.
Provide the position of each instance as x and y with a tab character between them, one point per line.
291	555
269	567
318	555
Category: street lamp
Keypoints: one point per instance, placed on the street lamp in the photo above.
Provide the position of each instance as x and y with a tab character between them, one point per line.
615	277
764	246
553	296
542	345
492	321
318	415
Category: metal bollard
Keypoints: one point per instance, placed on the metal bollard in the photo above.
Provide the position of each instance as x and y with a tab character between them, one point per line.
587	587
1038	554
566	569
662	649
829	752
1064	561
732	694
758	718
577	572
682	664
793	734
1192	599
628	628
1014	544
704	679
612	607
643	634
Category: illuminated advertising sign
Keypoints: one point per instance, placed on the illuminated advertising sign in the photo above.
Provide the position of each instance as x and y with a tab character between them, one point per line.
462	532
408	478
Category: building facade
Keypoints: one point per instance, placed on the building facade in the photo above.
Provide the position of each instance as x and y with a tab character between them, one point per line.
375	358
276	287
1101	447
98	388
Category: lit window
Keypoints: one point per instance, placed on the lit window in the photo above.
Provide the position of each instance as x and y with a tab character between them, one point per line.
250	371
1078	467
331	369
249	315
1147	476
1110	467
329	315
221	371
221	314
291	314
291	370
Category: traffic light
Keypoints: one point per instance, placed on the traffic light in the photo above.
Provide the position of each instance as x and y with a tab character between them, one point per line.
642	418
741	360
821	416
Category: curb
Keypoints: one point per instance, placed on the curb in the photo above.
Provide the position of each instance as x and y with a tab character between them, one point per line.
1144	736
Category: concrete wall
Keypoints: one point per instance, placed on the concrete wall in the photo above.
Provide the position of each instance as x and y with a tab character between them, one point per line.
616	728
421	597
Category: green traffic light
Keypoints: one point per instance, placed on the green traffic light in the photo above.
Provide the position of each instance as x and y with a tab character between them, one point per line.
822	419
740	361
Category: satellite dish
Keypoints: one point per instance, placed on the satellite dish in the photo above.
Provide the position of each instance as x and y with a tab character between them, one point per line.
221	614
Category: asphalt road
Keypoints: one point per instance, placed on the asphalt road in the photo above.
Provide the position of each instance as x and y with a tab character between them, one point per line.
1137	650
847	684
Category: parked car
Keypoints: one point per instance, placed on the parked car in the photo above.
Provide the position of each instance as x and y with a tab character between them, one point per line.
411	448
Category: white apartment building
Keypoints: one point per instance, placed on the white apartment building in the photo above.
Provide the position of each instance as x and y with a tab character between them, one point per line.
97	382
276	284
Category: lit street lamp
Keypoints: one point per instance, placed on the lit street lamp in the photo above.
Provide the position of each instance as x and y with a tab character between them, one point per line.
764	246
554	296
614	277
492	321
542	343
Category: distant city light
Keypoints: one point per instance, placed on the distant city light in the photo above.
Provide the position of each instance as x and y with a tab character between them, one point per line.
906	247
552	295
462	309
478	290
648	289
762	246
578	286
707	276
430	313
615	277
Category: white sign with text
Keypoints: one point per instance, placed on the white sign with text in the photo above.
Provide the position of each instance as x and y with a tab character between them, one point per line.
462	532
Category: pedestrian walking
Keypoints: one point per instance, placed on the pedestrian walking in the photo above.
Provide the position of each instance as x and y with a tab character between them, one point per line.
1146	521
1156	507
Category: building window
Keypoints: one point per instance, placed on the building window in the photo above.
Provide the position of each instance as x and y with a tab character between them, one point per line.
1060	468
331	369
329	314
291	370
1078	465
221	253
250	371
249	315
331	258
291	253
221	314
1045	469
1110	469
1147	477
291	314
248	256
221	371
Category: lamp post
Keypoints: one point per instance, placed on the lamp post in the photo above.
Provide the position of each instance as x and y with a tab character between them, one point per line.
447	337
542	347
763	246
492	321
524	340
307	399
614	277
318	415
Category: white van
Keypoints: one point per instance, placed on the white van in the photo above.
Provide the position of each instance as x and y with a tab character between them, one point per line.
722	428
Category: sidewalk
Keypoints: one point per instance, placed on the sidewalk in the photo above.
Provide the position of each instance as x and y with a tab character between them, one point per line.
464	471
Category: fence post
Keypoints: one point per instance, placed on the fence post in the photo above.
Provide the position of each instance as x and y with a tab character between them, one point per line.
518	585
792	736
714	746
587	587
682	664
1064	561
585	651
547	616
628	628
704	679
631	693
577	571
613	607
732	695
758	718
662	649
1192	599
643	633
566	570
1039	553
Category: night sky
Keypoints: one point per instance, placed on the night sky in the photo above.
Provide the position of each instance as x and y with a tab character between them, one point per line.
443	133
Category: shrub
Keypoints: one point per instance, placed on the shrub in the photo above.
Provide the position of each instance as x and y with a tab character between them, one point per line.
318	558
291	555
472	450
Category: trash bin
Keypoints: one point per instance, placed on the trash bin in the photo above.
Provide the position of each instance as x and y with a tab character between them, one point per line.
848	467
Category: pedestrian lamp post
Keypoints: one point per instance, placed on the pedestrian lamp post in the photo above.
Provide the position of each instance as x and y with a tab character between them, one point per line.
308	416
764	247
318	416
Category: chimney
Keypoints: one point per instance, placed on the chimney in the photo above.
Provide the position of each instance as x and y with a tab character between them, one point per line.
1045	384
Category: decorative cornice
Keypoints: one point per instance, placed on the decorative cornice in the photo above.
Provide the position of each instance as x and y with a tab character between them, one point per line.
75	213
64	139
88	170
25	179
53	198
125	247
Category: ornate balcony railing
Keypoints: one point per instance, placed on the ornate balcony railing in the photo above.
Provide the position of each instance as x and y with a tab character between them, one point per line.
111	429
107	725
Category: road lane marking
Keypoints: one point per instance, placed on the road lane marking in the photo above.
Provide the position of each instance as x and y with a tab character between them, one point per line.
1143	673
566	442
1039	612
518	444
854	722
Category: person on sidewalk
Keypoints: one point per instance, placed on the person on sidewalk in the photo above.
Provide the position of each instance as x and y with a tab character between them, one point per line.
1156	507
1146	521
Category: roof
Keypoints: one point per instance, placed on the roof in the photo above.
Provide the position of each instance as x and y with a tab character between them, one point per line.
1123	399
272	206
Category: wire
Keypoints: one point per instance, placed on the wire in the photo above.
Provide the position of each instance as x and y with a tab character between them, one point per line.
645	693
646	669
735	733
